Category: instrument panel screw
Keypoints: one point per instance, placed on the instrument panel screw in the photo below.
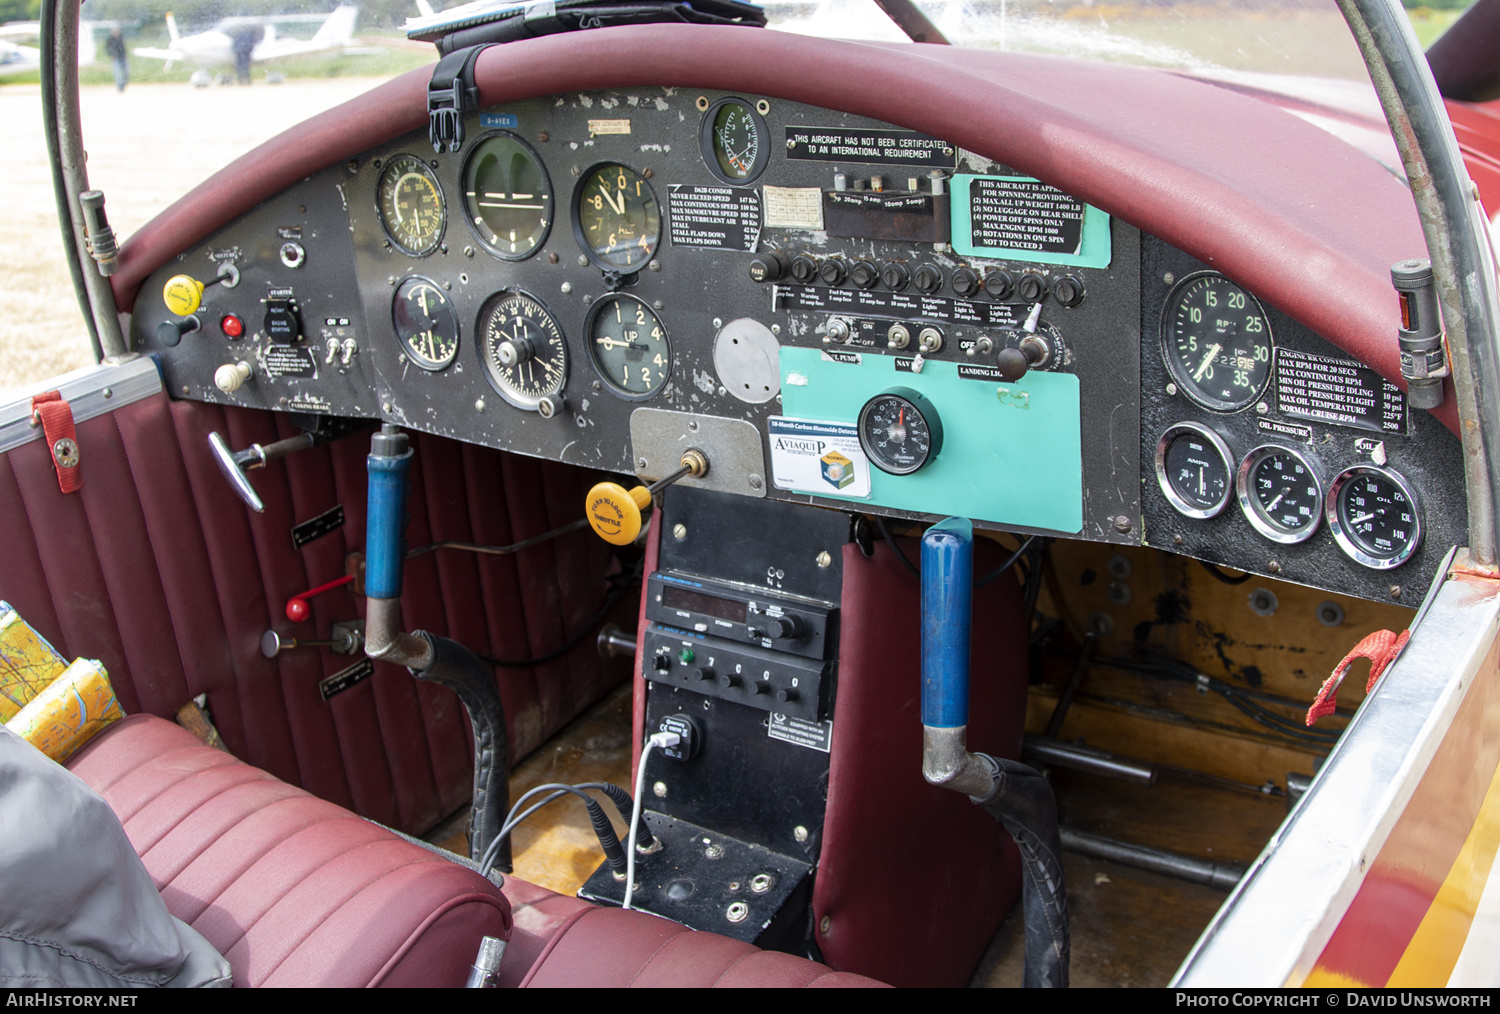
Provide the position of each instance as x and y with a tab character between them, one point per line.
654	265
722	392
1395	591
587	299
566	287
755	481
776	329
447	284
352	165
658	304
479	405
108	393
718	322
824	560
469	251
824	925
659	790
679	531
1168	278
737	912
640	462
1172	389
542	137
1122	524
583	261
647	173
577	171
1274	566
799	832
185	389
597	387
1262	408
760	883
714	852
385	406
1177	540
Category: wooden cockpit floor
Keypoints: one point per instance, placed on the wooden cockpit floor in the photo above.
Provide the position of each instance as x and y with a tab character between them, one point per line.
1129	927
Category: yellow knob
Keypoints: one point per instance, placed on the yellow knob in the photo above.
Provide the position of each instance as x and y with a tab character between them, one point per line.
182	294
615	512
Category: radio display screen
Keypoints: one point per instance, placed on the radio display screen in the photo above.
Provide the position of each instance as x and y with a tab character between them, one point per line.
676	597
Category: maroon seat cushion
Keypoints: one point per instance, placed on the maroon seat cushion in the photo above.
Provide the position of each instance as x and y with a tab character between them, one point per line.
293	890
608	947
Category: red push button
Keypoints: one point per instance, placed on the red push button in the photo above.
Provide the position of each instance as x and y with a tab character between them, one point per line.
231	325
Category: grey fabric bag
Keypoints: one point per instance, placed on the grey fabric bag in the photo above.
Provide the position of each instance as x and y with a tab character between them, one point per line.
77	907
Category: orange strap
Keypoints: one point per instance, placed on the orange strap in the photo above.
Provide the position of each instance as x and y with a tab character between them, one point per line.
56	417
1381	648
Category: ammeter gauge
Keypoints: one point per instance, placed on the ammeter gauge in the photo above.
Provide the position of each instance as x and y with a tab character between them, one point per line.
1217	342
1193	469
629	347
507	197
1280	494
616	218
524	354
411	205
900	431
425	322
1373	515
734	141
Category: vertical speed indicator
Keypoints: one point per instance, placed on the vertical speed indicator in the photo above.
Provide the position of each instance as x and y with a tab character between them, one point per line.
1216	342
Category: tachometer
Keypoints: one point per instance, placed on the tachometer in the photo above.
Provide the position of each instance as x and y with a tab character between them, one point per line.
411	205
1280	494
524	354
900	431
734	141
1217	342
616	218
629	347
507	197
1372	513
425	322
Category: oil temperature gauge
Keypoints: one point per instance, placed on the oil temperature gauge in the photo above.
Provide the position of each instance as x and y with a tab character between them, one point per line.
1372	513
1280	494
900	431
1193	469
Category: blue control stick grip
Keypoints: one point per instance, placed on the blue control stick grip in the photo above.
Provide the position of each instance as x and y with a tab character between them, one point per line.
947	601
385	551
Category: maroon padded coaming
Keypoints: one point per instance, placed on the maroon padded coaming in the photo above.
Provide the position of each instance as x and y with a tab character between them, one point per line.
930	925
612	948
293	890
157	569
1307	222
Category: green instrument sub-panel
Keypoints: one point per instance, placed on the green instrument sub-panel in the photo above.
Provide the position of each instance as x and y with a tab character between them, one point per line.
1011	453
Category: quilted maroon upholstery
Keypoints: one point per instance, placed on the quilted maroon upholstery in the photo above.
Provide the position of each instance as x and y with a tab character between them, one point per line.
157	569
293	890
608	947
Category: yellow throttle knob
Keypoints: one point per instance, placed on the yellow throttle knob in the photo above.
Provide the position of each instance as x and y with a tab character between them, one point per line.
614	512
182	294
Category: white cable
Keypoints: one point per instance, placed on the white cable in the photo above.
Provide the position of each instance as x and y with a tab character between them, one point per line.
659	739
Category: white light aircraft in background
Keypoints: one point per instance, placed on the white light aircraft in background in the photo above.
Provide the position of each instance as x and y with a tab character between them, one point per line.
216	47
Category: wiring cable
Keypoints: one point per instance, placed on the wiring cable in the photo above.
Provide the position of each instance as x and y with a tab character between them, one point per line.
618	796
662	739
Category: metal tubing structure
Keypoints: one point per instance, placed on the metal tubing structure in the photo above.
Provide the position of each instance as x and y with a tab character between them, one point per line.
1453	223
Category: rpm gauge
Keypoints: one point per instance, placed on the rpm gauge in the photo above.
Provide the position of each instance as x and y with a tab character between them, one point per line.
734	141
1372	513
900	431
1193	469
525	356
1217	342
1280	494
507	197
616	218
425	322
411	205
628	345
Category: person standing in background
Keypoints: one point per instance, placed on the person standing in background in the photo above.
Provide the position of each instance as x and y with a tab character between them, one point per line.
115	47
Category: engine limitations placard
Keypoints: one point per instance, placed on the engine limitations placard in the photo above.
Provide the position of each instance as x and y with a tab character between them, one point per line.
1019	218
1337	391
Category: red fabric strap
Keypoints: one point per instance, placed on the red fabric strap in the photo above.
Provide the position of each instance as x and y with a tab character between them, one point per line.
56	417
1381	648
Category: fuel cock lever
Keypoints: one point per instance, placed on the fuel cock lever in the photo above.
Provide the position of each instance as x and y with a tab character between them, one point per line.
614	512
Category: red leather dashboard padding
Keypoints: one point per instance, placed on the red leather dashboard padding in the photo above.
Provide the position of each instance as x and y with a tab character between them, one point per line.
156	568
294	891
1308	223
612	948
892	910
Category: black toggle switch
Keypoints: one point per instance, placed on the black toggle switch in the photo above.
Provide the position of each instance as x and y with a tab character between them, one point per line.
170	332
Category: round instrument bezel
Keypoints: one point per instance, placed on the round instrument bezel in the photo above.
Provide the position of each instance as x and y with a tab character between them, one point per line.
1181	505
1332	509
481	344
470	212
924	408
610	383
581	235
706	142
386	168
1250	504
411	353
1191	388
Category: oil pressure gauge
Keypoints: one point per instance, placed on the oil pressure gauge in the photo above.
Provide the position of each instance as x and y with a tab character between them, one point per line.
900	431
1280	494
1372	513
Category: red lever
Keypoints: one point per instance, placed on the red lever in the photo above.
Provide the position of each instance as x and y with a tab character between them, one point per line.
297	608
